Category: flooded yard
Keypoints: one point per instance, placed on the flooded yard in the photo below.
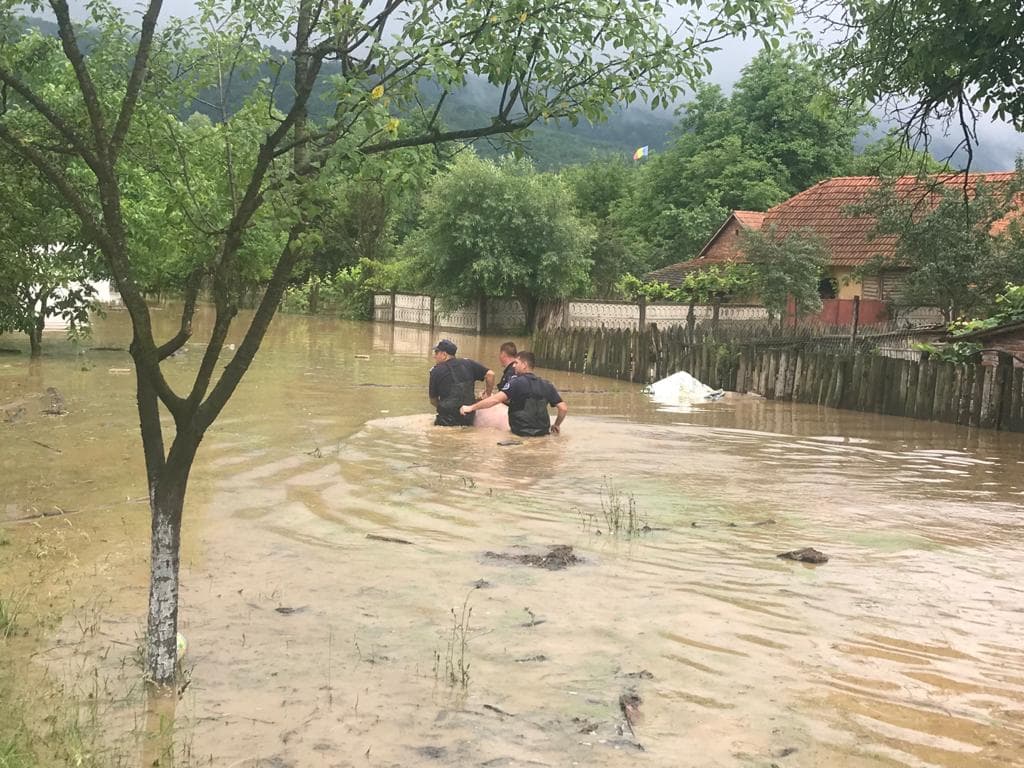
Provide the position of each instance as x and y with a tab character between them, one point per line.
354	591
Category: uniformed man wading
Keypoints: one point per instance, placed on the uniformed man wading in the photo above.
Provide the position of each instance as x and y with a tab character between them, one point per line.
507	357
452	384
528	398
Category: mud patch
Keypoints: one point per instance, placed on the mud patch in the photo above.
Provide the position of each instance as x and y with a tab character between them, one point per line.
557	558
805	555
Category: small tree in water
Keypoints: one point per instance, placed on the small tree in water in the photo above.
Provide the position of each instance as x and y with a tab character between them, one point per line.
242	199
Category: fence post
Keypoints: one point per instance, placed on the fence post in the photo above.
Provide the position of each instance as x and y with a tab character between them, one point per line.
431	316
481	316
394	295
855	321
642	306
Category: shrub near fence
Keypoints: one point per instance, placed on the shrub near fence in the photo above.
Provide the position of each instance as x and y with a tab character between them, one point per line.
826	371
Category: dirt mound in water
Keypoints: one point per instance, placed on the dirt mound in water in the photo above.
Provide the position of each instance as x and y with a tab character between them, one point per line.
558	556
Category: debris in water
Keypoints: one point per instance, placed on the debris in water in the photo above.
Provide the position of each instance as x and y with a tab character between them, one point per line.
182	646
769	521
288	611
499	711
435	753
390	539
805	555
629	703
643	674
56	406
785	752
718	394
678	389
482	584
559	556
13	415
510	442
528	659
534	621
119	370
362	357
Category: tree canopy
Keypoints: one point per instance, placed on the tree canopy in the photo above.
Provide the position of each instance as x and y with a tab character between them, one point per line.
952	260
783	128
931	61
501	229
785	268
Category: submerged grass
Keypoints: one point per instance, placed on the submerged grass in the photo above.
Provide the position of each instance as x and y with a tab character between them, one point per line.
618	511
454	662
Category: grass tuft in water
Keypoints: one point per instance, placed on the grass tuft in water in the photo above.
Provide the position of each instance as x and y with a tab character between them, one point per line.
455	663
619	511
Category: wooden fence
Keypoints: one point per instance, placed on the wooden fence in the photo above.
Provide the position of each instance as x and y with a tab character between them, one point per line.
833	374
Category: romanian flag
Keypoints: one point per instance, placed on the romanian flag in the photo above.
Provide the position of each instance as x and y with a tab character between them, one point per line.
641	152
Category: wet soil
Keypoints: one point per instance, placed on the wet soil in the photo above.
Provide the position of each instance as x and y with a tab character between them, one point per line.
315	638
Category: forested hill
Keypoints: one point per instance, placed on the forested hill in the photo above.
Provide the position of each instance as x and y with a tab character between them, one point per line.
551	146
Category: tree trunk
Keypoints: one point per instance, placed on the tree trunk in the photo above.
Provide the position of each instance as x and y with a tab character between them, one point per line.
35	334
166	502
529	305
166	505
314	295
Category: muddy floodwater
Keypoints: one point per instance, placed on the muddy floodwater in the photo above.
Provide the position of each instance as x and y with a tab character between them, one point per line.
341	607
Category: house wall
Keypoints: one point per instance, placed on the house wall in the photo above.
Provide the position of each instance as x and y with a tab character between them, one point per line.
846	285
726	246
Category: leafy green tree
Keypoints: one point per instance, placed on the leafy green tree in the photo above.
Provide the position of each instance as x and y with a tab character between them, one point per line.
501	229
253	206
784	128
597	187
890	157
931	62
950	258
784	268
1008	307
47	268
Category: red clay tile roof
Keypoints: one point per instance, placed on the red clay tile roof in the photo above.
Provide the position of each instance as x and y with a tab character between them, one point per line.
823	210
749	219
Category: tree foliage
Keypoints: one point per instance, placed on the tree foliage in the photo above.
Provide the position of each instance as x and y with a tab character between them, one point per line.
785	268
501	229
783	128
932	61
46	267
946	247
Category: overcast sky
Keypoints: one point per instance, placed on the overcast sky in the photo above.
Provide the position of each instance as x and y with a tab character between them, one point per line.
999	143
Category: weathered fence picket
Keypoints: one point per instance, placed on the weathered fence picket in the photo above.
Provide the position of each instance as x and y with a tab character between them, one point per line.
990	396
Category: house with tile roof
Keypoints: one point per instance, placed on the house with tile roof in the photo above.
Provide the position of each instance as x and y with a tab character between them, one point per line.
850	240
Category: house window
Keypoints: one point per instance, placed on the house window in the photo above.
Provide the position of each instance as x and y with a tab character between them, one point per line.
827	288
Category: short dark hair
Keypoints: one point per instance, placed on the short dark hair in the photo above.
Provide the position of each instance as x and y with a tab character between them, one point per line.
528	358
509	348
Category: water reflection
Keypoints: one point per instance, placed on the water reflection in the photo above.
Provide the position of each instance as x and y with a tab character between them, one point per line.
311	640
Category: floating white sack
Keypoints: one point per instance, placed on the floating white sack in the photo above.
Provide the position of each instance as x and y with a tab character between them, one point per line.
681	389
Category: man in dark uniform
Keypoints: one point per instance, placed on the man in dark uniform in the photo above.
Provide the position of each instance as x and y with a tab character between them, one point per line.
528	398
507	358
451	384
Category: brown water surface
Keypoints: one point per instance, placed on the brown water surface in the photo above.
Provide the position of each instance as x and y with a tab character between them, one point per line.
311	644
